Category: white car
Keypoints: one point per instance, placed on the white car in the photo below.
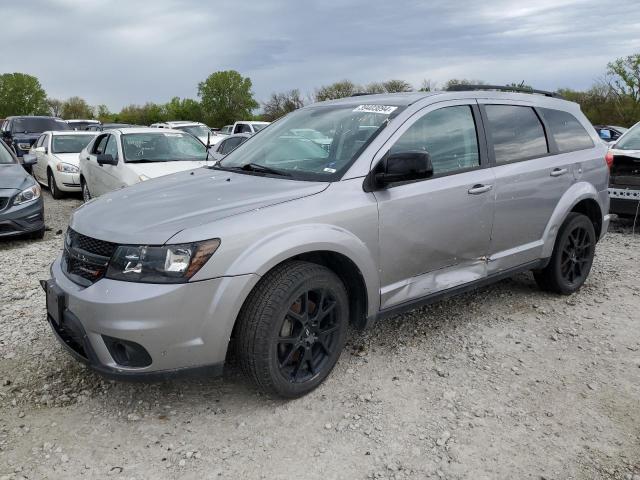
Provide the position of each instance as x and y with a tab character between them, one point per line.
226	130
57	164
122	157
248	126
197	129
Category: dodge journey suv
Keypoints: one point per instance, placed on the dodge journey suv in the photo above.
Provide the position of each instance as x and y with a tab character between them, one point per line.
274	250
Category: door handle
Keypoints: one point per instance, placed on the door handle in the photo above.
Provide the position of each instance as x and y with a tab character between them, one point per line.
478	189
556	172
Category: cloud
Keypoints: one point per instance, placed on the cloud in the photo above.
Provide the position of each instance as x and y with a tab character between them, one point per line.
120	51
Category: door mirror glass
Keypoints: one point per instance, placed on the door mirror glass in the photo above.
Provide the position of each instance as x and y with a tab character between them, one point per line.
106	159
403	167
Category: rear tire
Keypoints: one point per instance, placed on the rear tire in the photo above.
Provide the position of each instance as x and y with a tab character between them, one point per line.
53	186
292	328
572	256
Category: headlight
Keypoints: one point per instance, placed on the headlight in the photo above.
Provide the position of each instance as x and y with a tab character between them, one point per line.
143	178
24	146
166	264
27	195
67	168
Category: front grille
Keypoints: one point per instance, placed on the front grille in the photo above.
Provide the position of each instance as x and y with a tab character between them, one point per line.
4	201
85	258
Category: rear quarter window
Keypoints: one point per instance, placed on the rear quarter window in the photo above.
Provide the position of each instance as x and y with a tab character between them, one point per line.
566	130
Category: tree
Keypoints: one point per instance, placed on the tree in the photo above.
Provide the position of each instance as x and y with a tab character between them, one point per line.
344	88
427	85
22	94
143	114
184	109
103	114
76	107
375	87
623	79
282	103
226	97
55	106
461	81
396	86
520	85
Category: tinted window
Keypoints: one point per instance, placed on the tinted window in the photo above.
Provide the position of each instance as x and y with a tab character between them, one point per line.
448	134
516	132
112	147
566	130
230	144
38	124
100	144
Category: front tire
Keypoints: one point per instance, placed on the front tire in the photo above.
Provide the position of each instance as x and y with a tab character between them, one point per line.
292	328
53	186
572	256
86	194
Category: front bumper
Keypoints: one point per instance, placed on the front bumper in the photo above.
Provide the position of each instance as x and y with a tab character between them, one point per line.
21	219
183	327
68	182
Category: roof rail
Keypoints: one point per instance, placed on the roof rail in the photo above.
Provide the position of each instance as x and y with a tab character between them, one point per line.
502	88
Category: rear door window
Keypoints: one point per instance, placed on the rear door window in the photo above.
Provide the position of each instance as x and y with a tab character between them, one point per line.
566	130
516	133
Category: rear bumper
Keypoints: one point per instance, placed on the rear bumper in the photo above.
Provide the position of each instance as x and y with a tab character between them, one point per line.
624	201
22	219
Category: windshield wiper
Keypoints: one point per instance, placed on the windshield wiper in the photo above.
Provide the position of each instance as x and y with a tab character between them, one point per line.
256	167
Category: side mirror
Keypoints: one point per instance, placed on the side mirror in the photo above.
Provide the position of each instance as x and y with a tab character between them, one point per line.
29	159
402	167
6	134
106	159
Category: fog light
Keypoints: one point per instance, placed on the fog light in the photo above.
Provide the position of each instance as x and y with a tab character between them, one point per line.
126	353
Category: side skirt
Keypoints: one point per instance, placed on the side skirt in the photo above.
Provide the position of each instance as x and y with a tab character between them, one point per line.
450	292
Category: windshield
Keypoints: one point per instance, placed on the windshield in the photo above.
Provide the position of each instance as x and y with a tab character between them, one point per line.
38	125
259	126
630	140
5	156
70	143
197	130
347	129
162	147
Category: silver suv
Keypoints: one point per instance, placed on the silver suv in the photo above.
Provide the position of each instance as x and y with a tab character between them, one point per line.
286	241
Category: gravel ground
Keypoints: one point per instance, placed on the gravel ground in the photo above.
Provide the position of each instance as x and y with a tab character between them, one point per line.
506	382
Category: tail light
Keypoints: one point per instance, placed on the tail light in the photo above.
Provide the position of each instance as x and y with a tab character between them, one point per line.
609	159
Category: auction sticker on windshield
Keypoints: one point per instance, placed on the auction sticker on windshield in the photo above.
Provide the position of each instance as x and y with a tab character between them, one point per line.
383	109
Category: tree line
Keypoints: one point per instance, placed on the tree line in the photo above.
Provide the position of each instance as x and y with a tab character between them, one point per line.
227	96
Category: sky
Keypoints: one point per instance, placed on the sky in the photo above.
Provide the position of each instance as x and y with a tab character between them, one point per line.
119	52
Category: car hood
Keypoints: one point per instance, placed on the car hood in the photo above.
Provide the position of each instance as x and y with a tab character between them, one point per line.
70	158
12	176
152	212
158	169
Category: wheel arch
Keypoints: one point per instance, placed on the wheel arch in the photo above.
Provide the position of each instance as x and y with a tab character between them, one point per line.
582	198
